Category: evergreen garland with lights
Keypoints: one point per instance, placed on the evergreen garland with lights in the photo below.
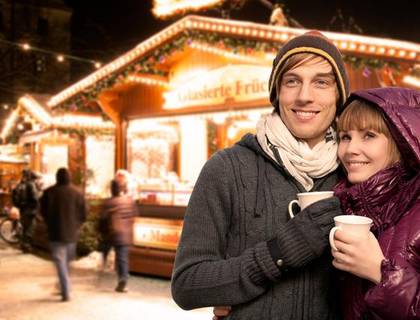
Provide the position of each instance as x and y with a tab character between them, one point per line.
84	132
148	64
15	134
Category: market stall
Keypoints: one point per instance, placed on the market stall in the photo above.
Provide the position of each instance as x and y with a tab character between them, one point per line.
194	88
50	139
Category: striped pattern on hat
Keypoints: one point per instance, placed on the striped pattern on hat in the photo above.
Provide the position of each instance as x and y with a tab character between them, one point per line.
316	43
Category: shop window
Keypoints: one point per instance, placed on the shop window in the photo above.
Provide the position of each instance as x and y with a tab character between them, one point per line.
238	128
152	157
54	156
99	173
152	160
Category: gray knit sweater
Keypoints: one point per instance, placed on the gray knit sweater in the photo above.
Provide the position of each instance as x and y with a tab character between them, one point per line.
236	226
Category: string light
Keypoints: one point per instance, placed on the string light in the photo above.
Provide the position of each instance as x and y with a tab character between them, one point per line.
81	121
35	110
9	123
225	53
413	81
26	46
147	80
353	44
60	57
164	8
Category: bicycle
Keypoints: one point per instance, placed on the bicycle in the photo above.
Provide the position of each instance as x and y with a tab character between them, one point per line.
10	226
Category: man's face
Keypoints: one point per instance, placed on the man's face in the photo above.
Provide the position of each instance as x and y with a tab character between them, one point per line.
307	97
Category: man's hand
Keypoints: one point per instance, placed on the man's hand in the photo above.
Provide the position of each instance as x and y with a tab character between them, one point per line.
359	256
221	311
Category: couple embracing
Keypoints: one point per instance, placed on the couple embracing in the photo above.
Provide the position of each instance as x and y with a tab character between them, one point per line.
242	253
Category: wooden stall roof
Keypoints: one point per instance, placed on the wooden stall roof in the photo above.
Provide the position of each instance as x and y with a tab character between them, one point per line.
115	78
36	107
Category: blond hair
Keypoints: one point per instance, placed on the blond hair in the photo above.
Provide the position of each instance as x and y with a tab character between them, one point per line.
298	59
362	115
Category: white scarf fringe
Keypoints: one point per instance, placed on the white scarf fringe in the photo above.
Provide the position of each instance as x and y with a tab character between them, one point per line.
302	162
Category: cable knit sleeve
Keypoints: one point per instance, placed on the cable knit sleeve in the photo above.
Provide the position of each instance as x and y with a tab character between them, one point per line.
203	275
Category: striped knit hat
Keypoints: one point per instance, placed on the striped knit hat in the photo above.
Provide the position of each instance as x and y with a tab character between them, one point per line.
310	42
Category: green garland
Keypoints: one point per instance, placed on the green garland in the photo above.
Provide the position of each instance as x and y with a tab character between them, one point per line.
149	64
83	132
13	137
15	134
372	63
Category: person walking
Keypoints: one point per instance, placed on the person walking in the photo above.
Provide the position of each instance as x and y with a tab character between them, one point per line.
25	197
116	225
239	248
63	208
380	150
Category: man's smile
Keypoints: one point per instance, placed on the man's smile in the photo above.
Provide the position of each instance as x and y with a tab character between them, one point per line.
305	115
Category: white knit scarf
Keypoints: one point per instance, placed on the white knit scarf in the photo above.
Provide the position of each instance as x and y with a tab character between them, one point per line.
302	162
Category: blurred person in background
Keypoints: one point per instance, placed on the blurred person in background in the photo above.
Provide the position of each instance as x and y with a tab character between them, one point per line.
130	181
124	178
25	197
116	226
64	210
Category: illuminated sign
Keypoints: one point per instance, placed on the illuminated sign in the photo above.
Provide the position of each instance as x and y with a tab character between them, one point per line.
163	8
233	83
157	233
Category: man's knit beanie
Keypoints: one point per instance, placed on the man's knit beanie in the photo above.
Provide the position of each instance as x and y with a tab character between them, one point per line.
310	42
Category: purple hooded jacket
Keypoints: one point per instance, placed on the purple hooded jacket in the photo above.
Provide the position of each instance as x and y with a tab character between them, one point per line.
391	199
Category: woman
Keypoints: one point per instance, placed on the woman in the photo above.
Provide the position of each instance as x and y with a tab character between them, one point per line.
379	148
116	224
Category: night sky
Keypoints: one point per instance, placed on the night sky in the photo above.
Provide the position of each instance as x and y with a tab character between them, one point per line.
104	29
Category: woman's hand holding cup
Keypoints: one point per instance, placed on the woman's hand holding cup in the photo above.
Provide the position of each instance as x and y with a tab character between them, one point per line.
355	249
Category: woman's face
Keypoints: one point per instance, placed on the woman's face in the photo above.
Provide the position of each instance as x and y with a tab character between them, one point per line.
363	153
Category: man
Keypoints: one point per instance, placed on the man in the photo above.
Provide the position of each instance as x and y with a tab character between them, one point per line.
239	247
25	196
63	208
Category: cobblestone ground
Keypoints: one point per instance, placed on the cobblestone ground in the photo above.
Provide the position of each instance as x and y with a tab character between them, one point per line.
28	292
